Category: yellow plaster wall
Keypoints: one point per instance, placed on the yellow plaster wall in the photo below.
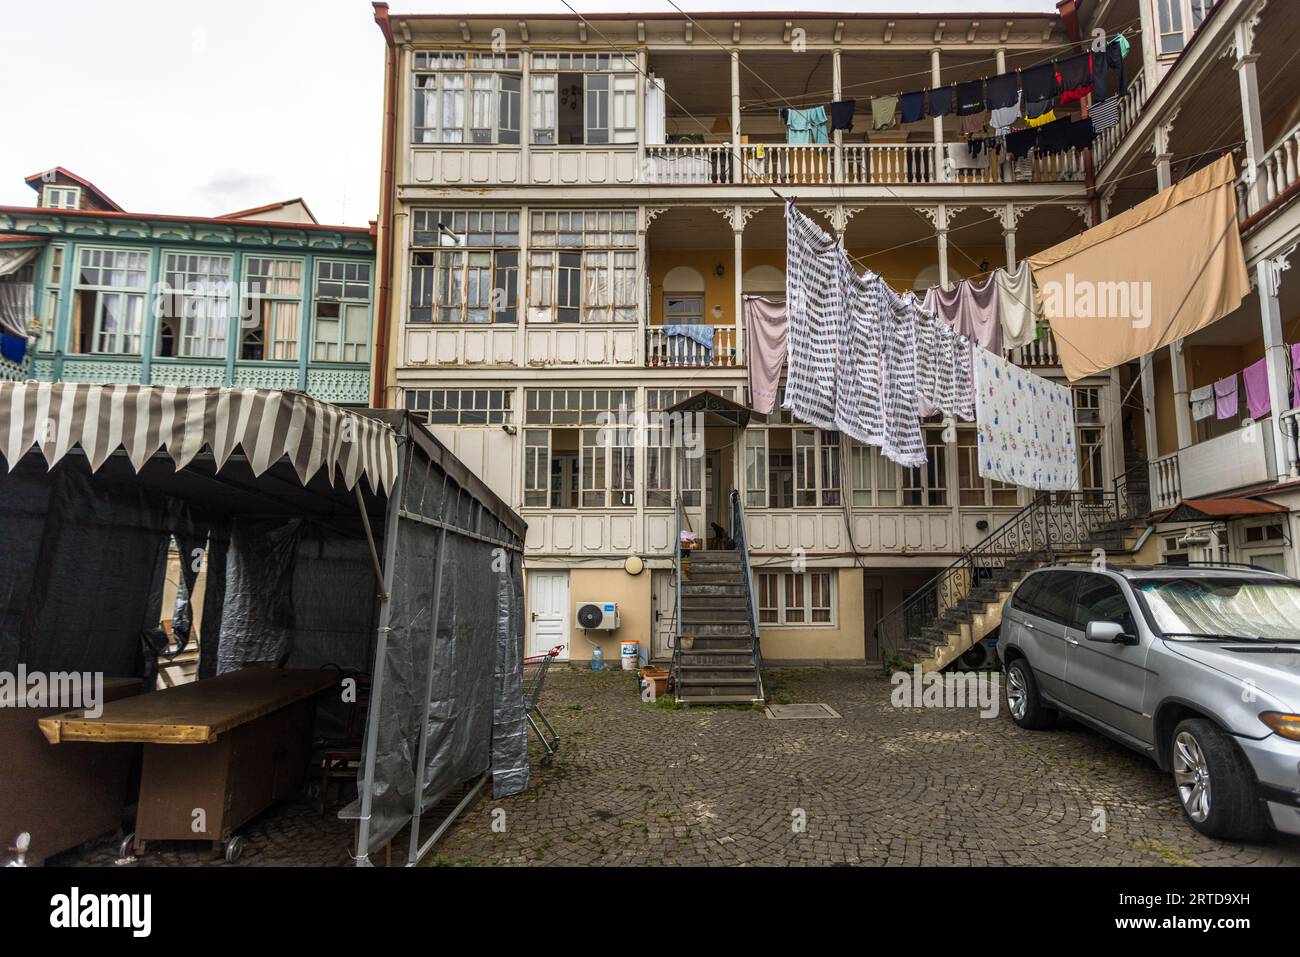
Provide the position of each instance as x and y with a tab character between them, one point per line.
632	592
900	267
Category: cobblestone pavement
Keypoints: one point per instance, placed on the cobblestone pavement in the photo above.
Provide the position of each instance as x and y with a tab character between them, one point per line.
643	784
636	783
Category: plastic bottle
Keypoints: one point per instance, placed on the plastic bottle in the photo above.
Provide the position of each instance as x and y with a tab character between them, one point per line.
597	658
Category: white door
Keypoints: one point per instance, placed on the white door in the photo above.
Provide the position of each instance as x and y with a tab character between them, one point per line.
548	613
663	593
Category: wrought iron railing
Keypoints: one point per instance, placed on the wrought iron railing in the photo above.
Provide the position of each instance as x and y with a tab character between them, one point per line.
677	596
1054	522
741	539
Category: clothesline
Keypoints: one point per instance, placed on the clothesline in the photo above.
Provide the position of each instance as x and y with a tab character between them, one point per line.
1031	94
817	97
865	361
1222	398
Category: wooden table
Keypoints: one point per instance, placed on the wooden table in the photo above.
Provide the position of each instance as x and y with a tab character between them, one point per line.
216	752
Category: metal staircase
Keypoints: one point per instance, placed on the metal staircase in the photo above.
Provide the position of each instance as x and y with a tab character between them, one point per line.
962	604
716	655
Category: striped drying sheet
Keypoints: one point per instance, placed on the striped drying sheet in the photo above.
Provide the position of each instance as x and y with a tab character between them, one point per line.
266	425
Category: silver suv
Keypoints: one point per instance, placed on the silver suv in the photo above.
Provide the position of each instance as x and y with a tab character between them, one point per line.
1197	667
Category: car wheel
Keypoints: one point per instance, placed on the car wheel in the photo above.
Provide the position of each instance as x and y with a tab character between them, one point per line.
1214	783
1023	702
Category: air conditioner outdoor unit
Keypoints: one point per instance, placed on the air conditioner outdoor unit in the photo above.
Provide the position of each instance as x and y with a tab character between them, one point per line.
597	615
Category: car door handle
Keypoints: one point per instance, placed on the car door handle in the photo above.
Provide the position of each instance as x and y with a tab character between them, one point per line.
1070	641
1030	625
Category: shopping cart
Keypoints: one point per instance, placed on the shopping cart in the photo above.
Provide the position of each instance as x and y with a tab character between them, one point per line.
535	668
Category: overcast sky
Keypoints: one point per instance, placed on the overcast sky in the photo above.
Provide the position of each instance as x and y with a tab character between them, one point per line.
203	108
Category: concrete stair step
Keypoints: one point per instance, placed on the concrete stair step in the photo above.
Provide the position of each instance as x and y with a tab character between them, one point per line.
700	681
738	645
695	698
692	589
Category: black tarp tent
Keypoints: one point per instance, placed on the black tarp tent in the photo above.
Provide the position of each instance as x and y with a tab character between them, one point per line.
331	536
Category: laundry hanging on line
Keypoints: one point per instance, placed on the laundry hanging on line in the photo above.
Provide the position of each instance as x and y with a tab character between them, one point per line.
1225	397
766	325
1202	402
854	346
1026	427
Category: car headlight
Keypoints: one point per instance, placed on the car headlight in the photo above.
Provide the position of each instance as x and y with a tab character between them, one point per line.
1287	725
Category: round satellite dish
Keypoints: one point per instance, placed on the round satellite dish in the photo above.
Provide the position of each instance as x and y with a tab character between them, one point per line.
634	565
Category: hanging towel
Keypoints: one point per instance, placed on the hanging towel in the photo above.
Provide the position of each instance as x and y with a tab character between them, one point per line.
875	378
970	97
1080	134
1112	59
1002	119
1038	83
13	348
912	106
681	337
943	369
1042	119
815	308
1017	307
971	310
765	332
806	126
1225	398
1020	142
1075	77
941	99
972	123
1025	425
1257	398
1034	109
1122	42
1002	91
883	110
1105	115
1202	400
1055	137
842	114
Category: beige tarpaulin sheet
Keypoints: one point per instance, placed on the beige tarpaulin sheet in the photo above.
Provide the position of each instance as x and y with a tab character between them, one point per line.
1148	277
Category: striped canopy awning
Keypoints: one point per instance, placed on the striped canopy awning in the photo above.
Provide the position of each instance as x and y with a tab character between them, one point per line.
266	425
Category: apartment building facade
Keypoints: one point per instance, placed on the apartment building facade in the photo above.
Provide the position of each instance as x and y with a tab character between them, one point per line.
262	298
557	190
1220	76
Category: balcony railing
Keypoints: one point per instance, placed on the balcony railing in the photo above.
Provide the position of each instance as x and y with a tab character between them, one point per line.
1038	354
689	164
863	164
1241	458
790	164
1130	108
1278	170
1166	485
665	351
1291	436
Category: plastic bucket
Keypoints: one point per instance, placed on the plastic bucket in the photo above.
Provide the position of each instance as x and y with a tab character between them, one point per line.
630	652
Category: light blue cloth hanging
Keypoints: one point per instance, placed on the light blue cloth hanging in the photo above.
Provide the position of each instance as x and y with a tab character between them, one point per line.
681	338
806	126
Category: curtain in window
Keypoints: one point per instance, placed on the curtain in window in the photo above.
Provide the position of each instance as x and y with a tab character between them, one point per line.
15	307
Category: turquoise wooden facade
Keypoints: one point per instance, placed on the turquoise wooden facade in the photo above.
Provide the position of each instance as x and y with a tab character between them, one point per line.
68	234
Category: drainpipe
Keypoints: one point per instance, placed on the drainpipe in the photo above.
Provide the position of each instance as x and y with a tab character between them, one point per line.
384	243
1069	12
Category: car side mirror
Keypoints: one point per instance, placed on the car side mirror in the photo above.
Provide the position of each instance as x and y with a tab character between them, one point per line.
1110	632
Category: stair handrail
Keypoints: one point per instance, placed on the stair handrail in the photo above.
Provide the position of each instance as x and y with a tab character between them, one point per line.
677	596
740	538
1052	520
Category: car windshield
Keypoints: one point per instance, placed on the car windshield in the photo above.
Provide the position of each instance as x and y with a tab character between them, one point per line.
1194	608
